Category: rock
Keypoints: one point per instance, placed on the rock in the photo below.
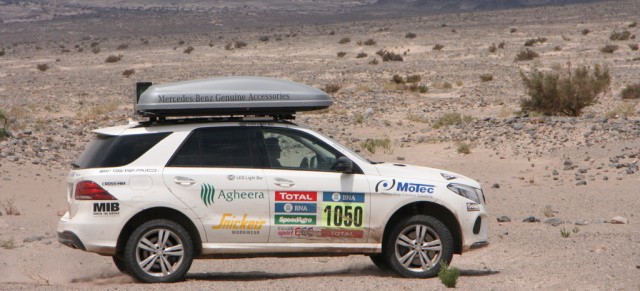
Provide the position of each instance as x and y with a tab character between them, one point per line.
368	112
555	173
531	219
619	220
581	183
495	185
518	126
605	178
583	170
504	219
582	222
553	221
33	238
568	162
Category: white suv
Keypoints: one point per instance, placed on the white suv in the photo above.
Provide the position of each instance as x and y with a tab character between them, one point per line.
156	195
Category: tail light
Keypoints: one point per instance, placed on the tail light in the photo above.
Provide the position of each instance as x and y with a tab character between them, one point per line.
89	190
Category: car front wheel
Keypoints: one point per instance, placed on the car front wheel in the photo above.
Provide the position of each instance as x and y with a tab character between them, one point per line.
417	245
159	251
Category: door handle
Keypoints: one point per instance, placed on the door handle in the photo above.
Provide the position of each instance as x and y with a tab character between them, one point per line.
184	181
283	182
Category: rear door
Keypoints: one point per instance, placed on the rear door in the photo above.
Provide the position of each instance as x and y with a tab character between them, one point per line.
215	173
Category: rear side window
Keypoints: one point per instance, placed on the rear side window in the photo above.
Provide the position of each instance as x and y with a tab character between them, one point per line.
115	151
216	147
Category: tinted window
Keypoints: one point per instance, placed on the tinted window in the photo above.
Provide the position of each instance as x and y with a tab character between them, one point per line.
115	151
216	147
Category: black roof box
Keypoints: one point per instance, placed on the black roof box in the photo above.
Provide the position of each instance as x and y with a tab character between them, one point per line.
228	96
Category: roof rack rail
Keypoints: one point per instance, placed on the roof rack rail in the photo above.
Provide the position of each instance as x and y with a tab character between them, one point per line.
228	96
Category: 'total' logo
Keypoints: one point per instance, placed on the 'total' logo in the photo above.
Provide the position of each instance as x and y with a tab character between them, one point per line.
296	196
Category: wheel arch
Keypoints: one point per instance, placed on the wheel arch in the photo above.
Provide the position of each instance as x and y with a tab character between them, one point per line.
434	210
159	213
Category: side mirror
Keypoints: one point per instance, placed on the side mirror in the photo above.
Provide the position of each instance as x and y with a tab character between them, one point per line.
344	165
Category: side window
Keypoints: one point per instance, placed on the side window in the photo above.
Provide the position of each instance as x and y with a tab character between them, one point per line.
290	149
115	151
215	147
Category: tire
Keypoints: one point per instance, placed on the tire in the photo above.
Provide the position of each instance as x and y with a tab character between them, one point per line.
417	245
379	261
159	251
120	264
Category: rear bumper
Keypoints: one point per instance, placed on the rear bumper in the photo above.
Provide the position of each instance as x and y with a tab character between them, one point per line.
479	245
71	240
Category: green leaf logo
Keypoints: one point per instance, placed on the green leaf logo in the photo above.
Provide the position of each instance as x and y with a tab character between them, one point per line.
207	192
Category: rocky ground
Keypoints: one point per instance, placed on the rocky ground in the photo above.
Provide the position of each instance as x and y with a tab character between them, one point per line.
542	175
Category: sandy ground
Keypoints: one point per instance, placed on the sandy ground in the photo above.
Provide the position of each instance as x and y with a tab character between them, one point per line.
56	109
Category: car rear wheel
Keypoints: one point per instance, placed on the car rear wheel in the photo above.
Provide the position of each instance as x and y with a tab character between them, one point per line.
417	245
159	251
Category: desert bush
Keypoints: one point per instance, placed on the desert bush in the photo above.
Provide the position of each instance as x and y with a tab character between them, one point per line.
633	46
439	85
2	52
239	44
373	62
123	47
228	46
609	49
564	233
620	36
631	92
42	67
633	24
263	38
533	41
369	42
486	77
8	244
188	50
625	109
493	48
526	55
362	55
344	40
451	119
397	79
388	56
418	117
333	32
4	118
372	144
113	59
413	78
180	42
423	89
331	88
410	35
464	148
585	31
501	45
9	206
448	276
438	47
341	54
557	48
95	50
128	73
513	30
555	94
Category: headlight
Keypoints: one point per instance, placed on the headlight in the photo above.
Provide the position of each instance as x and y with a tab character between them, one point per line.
466	191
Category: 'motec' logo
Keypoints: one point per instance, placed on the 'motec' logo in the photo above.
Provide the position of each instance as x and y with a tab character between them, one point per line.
415	188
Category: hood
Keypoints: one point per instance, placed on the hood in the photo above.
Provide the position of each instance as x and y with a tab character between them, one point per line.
396	170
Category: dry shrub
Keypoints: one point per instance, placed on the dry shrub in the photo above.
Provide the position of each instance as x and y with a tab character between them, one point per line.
438	47
42	67
263	38
493	48
239	44
123	47
526	55
410	35
341	54
631	92
373	62
486	77
451	119
188	50
397	79
113	59
362	55
620	36
609	49
128	73
533	41
626	109
501	45
567	94
388	56
331	88
585	31
633	46
344	40
413	78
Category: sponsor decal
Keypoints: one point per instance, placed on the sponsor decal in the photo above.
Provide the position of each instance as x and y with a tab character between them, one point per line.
295	219
283	207
106	208
114	183
128	171
196	98
244	177
385	186
301	196
230	196
473	207
240	226
343	211
344	233
294	231
257	123
207	192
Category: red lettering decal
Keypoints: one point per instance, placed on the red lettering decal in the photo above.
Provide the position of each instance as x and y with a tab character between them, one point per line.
296	196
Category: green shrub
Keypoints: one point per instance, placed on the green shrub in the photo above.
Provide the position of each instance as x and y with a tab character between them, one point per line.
564	233
451	119
448	276
464	148
423	89
526	55
513	30
418	117
372	144
555	94
631	92
8	244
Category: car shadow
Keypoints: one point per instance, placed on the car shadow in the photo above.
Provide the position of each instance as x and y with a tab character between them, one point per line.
353	271
476	273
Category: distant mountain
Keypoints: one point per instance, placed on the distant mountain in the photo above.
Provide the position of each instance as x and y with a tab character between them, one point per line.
472	5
